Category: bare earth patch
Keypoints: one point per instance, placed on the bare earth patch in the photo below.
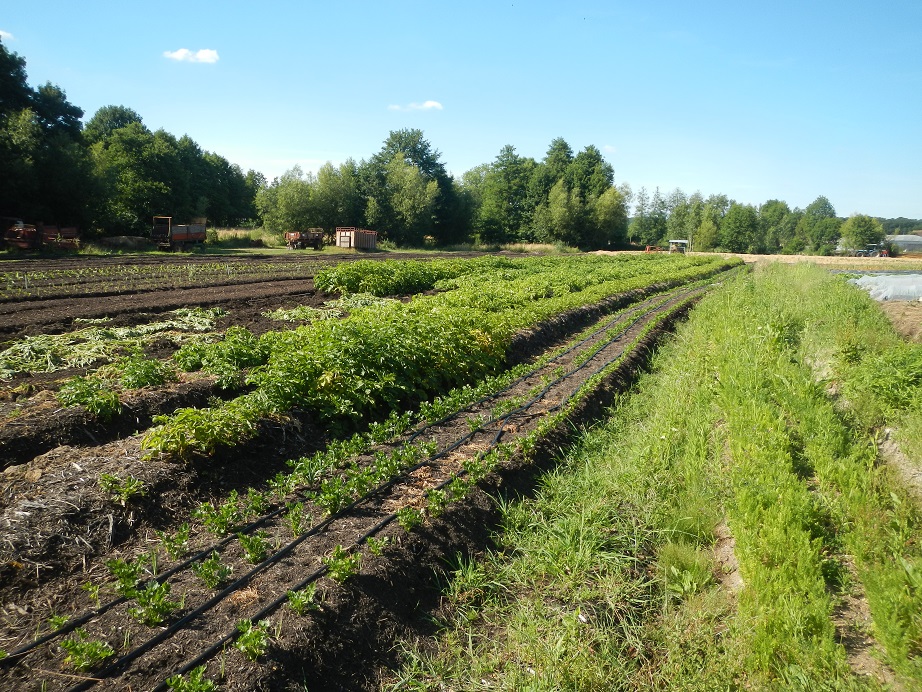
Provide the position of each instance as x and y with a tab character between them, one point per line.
906	316
728	572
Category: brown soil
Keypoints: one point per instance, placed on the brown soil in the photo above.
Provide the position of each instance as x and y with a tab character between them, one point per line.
57	527
906	317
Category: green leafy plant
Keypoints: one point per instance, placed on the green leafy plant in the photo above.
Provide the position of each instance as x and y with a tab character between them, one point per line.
195	682
211	571
377	545
136	371
255	546
93	591
341	564
294	517
220	519
303	601
409	517
84	653
127	573
177	545
92	394
153	604
253	639
56	622
122	489
254	504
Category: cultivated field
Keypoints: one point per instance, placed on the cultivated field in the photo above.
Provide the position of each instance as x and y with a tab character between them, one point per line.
253	471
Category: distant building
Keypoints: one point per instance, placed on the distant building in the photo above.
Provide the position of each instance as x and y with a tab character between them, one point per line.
906	243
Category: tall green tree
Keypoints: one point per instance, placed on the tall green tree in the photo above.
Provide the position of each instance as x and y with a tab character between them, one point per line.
739	230
504	210
107	120
860	230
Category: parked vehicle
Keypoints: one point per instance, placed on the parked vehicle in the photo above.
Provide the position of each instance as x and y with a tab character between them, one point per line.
179	236
298	240
27	236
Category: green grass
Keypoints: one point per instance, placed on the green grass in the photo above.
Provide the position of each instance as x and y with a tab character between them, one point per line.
607	579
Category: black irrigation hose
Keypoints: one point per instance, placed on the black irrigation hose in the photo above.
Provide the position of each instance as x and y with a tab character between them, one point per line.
319	572
265	564
74	623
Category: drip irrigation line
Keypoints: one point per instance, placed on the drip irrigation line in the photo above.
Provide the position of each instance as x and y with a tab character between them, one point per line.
279	554
74	623
216	646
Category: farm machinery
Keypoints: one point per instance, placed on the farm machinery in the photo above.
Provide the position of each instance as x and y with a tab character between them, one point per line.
298	240
169	236
27	236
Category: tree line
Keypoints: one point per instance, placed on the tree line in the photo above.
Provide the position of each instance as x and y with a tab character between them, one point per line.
113	173
110	175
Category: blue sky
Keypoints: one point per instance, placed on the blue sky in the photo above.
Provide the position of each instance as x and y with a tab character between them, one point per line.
786	100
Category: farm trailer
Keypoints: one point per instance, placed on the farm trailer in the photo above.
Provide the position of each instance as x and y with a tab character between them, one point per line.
176	237
26	236
298	240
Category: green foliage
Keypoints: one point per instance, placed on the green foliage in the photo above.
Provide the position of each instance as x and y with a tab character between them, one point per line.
377	545
92	394
195	682
303	601
84	653
341	564
136	371
253	640
210	570
122	489
294	517
255	546
409	518
389	358
127	574
220	519
56	622
194	430
177	545
93	591
302	313
153	603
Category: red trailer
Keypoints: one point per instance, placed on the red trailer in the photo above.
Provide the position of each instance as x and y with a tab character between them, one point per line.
177	237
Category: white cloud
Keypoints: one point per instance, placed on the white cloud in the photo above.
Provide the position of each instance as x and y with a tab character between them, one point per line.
609	149
186	55
424	106
6	35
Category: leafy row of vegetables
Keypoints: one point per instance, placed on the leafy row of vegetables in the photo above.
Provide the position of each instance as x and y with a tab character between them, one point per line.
152	602
391	355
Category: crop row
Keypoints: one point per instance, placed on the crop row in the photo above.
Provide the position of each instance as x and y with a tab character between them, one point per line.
109	278
392	355
153	603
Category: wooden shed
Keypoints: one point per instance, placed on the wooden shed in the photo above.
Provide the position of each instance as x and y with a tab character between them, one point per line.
361	238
